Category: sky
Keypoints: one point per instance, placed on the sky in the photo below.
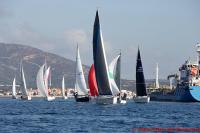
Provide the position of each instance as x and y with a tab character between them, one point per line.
166	31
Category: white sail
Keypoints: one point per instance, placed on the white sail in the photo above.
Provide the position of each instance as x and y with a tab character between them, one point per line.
63	86
112	66
80	85
46	79
40	82
14	88
23	83
157	82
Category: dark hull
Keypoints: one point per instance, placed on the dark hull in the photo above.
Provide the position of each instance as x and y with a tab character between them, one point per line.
82	98
180	94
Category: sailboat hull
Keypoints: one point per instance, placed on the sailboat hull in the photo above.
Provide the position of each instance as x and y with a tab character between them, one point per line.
82	98
123	101
64	97
122	98
14	97
26	97
106	99
141	99
50	98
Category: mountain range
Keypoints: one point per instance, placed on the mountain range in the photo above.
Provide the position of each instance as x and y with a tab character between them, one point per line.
33	58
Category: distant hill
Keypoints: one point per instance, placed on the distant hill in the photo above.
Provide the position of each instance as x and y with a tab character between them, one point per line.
11	54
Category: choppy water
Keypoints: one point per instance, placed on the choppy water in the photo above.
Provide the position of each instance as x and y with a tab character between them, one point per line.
63	116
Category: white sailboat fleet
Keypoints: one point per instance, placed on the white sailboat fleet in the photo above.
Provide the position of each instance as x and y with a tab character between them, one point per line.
104	78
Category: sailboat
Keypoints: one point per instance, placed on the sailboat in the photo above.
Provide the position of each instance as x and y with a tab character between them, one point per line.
63	88
14	90
25	95
42	83
47	84
141	93
101	69
115	73
157	80
112	74
92	82
81	91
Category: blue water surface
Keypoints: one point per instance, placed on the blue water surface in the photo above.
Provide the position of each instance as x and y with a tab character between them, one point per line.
64	116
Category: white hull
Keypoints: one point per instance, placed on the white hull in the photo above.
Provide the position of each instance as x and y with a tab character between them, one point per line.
119	100
106	99
123	101
26	97
50	98
141	99
64	97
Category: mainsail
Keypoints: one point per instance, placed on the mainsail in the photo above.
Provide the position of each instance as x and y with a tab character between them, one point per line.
63	86
46	79
80	84
117	74
14	88
23	81
140	81
40	81
112	74
92	82
157	82
100	62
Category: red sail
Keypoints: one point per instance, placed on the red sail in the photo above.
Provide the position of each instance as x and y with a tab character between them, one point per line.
92	82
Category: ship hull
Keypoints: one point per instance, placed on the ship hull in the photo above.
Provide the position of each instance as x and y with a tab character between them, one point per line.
181	94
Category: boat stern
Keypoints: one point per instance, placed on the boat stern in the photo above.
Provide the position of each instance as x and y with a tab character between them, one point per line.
106	99
195	92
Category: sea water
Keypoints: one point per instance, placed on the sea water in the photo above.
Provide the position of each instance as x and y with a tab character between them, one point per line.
64	116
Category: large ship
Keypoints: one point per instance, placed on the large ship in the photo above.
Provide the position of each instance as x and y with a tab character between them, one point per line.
187	84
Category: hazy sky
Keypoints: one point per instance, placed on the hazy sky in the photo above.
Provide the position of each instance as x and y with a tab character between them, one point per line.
165	30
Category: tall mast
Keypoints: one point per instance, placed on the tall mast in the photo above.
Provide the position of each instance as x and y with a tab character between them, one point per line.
120	69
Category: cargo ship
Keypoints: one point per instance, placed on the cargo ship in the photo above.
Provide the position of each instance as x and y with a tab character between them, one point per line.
187	84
